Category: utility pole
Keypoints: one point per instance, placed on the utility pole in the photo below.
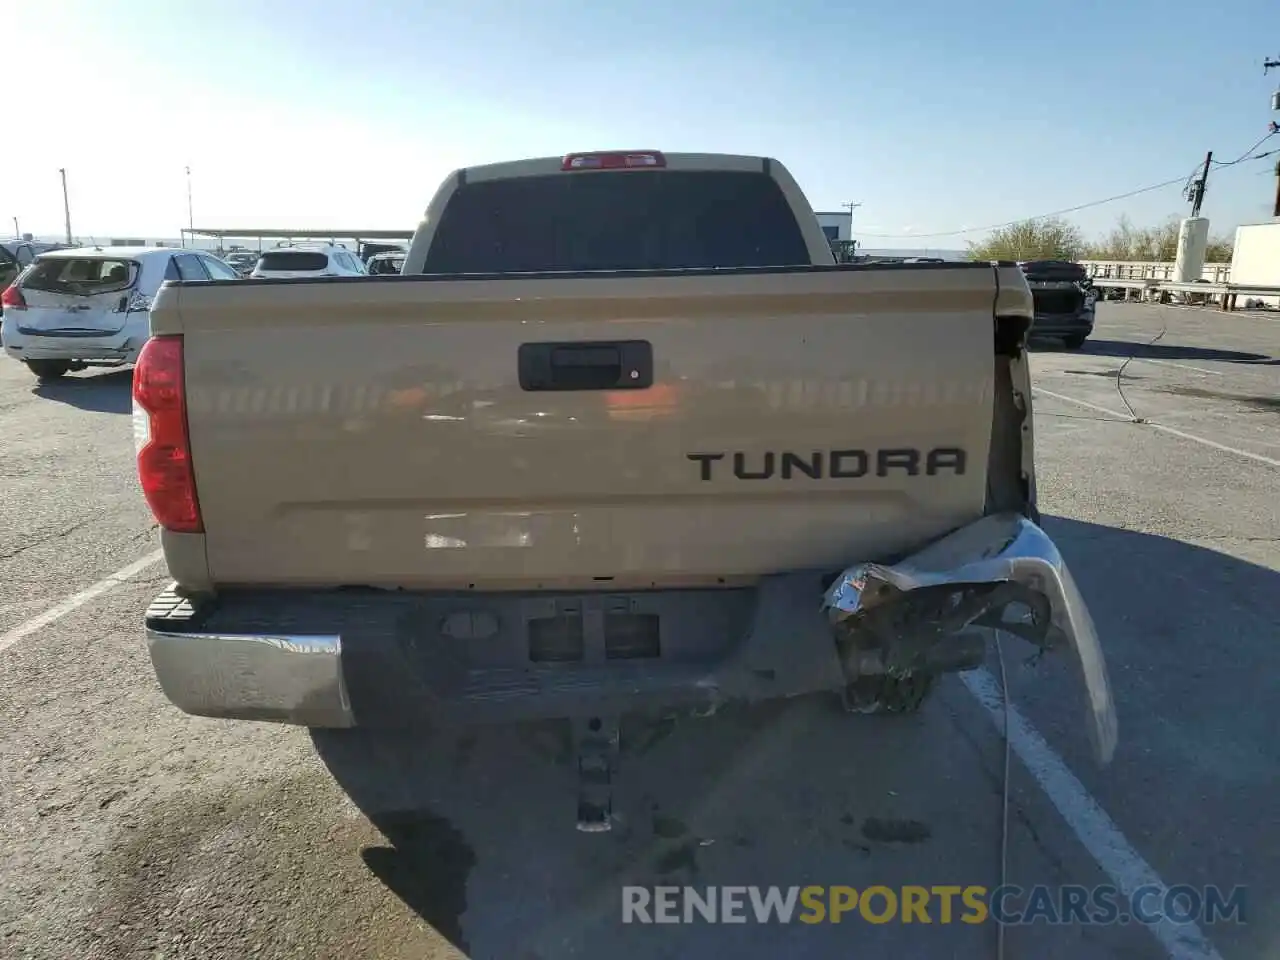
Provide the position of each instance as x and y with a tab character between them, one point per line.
191	222
1267	66
16	231
1275	211
1198	188
66	203
853	244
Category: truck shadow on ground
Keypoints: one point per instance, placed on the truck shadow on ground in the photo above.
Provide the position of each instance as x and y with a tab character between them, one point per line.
1170	351
480	824
95	392
481	841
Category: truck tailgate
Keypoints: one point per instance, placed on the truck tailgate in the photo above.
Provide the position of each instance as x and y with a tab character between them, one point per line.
376	432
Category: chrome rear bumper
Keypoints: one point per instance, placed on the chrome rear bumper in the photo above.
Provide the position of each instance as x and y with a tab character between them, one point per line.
786	649
284	679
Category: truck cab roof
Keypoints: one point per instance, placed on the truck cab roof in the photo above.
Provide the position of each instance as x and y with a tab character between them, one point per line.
582	162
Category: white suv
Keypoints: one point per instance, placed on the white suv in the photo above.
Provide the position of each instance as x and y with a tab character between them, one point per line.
88	306
311	261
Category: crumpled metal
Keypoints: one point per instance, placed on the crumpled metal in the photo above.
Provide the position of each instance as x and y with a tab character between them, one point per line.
997	548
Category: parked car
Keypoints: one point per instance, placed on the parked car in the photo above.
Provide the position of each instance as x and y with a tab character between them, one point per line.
370	249
1065	300
241	261
384	264
317	261
18	254
87	307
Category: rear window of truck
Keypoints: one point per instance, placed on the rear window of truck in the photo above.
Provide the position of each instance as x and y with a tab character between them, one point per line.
294	260
632	220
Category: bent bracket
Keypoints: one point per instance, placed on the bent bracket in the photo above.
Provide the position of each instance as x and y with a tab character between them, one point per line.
998	549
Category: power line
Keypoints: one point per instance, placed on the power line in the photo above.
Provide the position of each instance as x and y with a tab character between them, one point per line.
1245	156
1185	181
1042	216
1188	191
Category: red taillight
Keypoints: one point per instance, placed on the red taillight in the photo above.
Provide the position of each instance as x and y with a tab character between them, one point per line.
615	160
12	298
160	433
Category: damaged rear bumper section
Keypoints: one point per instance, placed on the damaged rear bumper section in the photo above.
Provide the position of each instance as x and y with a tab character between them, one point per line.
1062	325
383	658
93	346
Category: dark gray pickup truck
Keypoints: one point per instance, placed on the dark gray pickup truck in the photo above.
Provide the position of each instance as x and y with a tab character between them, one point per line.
1063	300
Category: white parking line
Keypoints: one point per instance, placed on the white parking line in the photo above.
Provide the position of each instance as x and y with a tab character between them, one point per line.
77	600
1181	366
1122	864
1219	313
1162	428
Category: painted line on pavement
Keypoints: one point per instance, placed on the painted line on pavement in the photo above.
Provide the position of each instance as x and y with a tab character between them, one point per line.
1123	865
77	600
1181	366
1172	431
1219	312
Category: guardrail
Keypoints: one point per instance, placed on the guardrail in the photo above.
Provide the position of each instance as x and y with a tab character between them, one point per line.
1150	270
1107	282
1163	290
1154	280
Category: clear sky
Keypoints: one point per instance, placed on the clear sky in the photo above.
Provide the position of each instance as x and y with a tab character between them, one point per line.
935	115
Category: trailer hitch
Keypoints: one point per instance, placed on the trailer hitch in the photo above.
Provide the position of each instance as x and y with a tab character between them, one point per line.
596	743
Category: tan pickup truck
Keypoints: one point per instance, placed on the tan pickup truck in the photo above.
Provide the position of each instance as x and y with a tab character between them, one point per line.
621	439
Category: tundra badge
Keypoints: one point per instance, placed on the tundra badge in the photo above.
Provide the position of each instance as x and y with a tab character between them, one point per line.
837	464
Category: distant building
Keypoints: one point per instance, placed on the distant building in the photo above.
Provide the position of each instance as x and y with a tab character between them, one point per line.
837	226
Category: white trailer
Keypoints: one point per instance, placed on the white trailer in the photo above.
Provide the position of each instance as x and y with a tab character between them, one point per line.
1256	260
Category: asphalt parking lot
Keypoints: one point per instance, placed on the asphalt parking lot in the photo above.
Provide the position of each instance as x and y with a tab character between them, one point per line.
132	830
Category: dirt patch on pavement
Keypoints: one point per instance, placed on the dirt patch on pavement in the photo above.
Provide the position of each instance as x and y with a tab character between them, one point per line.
1259	402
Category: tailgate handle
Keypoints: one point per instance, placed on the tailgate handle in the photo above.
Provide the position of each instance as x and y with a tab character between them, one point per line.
586	365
